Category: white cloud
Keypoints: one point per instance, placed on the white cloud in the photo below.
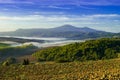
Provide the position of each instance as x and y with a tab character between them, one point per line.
104	16
16	18
60	17
5	9
57	7
6	30
47	13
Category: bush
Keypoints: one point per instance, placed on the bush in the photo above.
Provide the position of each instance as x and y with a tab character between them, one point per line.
62	60
9	61
110	53
41	59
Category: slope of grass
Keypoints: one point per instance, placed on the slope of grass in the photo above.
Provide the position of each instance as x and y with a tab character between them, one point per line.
90	70
3	45
16	51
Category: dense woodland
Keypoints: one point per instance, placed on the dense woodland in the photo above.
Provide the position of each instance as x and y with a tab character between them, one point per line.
105	48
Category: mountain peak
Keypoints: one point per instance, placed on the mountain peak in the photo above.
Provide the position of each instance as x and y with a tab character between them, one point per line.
66	27
86	27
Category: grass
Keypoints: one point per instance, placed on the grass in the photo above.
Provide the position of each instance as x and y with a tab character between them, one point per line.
19	51
89	70
3	45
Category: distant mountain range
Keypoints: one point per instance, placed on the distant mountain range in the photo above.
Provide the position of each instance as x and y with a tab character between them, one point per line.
65	31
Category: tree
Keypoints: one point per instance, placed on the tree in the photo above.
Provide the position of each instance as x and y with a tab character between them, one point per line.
110	53
25	62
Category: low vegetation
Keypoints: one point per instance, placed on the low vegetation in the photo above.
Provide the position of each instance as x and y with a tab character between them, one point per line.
9	61
3	45
105	48
7	52
89	70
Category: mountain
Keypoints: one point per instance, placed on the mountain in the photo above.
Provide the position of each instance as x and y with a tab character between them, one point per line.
66	28
65	31
73	28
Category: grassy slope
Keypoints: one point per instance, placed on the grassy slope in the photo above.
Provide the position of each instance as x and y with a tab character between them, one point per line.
19	51
94	70
3	45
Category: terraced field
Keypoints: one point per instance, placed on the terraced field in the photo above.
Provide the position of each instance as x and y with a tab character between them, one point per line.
90	70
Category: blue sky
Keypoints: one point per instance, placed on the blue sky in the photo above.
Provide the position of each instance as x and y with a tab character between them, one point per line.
97	14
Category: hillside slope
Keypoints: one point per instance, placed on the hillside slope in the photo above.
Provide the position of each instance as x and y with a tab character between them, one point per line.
88	50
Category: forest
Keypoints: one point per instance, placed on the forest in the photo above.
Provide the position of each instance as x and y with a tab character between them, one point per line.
105	48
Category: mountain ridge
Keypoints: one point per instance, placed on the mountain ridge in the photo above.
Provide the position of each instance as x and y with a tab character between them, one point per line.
66	27
65	31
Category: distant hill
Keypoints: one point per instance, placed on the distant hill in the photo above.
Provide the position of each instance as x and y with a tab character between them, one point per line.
65	31
73	28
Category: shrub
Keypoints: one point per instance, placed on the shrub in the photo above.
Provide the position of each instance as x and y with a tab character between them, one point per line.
9	61
62	60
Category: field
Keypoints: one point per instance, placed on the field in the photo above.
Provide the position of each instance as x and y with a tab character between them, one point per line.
92	70
2	45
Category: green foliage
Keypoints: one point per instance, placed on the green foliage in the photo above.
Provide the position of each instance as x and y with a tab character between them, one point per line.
62	60
5	63
110	53
9	61
104	48
3	45
16	51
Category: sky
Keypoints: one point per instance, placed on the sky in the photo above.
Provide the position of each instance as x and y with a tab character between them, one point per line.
97	14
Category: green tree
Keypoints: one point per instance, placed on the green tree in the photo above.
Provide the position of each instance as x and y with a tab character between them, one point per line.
25	62
110	53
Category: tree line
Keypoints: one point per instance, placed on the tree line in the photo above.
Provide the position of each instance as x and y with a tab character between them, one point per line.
105	48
